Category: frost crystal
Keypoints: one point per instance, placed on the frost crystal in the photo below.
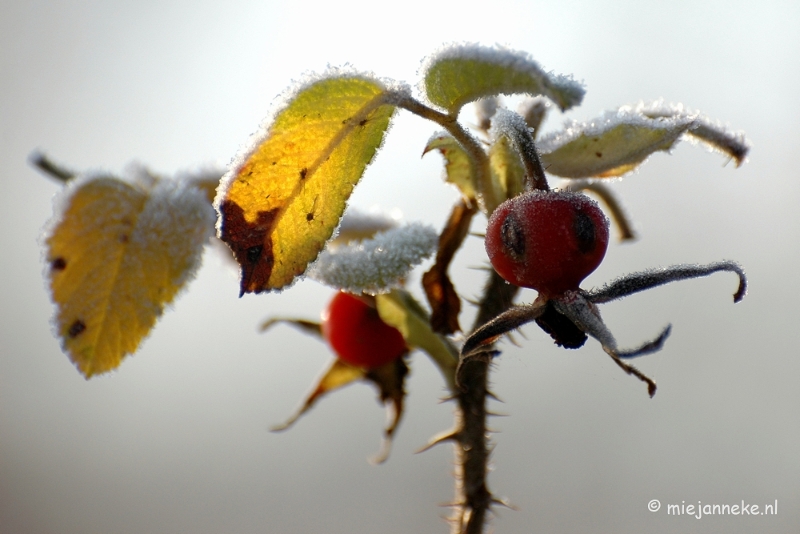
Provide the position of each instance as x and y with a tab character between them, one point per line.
712	133
460	73
378	264
608	121
176	221
358	225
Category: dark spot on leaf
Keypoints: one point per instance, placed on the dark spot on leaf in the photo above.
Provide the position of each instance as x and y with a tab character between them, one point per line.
561	329
251	244
58	264
598	154
76	328
274	162
310	214
253	253
123	238
362	122
585	232
513	236
303	173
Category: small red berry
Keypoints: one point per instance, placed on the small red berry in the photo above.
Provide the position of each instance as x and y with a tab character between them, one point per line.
357	333
548	241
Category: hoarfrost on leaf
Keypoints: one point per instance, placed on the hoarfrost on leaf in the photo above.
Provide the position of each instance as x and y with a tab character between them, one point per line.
712	133
378	264
458	74
117	253
612	145
357	225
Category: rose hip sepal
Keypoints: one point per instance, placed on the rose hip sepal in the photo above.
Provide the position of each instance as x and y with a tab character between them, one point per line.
366	349
577	309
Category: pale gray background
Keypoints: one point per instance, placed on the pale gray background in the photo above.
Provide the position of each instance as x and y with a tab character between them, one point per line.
177	440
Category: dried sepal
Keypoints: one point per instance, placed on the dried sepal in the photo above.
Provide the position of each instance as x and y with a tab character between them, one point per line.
442	297
640	281
571	315
510	319
308	327
337	375
586	316
390	380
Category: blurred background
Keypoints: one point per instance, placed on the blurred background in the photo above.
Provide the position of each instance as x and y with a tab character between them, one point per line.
177	439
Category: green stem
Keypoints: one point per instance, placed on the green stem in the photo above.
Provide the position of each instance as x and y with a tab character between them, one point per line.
473	148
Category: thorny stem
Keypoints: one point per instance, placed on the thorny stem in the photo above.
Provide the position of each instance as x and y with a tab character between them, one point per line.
477	155
473	498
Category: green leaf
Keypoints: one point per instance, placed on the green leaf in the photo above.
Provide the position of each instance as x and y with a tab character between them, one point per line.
611	145
458	170
508	172
283	199
711	133
460	74
400	310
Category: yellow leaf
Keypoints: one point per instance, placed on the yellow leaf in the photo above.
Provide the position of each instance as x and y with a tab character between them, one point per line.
117	254
280	205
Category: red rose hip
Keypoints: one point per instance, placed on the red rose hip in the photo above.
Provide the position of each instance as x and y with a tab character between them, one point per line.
357	333
548	241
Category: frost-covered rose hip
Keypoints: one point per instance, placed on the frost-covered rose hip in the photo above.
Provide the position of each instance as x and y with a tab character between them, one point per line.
548	241
357	333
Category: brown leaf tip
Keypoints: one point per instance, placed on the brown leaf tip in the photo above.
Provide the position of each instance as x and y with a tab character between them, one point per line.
251	244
